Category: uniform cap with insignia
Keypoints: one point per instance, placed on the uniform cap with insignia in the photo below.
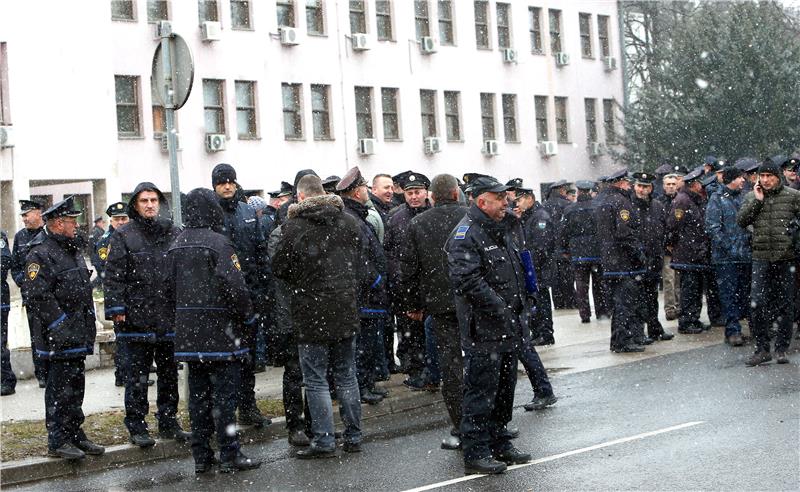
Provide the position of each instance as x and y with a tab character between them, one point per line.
514	183
26	206
617	176
794	162
584	184
523	191
399	179
708	179
329	183
118	209
695	174
351	180
747	164
469	178
487	184
663	169
644	179
559	184
781	160
678	170
415	180
64	208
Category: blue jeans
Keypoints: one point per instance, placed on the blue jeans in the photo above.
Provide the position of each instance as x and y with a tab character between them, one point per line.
734	294
314	363
772	297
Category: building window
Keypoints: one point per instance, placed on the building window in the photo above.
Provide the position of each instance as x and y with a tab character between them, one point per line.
585	27
555	31
602	35
540	108
503	25
127	94
240	14
157	10
5	110
608	120
285	10
446	35
422	24
562	124
427	100
452	113
591	119
123	10
315	20
214	105
321	111
383	17
391	116
358	17
208	10
535	21
487	115
159	114
292	111
364	112
482	24
246	109
510	117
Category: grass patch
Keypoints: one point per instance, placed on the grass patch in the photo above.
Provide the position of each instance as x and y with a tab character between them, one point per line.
28	439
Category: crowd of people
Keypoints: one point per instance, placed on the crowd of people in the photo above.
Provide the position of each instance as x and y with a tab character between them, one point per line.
344	282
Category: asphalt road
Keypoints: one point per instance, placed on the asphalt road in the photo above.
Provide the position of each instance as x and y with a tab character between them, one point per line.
692	420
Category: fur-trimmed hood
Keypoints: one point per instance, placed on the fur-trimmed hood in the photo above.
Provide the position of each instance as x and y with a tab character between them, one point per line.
317	208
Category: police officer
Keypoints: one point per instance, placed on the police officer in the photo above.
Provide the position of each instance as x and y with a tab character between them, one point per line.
8	380
134	292
563	281
622	259
213	312
277	199
61	311
492	308
242	228
31	212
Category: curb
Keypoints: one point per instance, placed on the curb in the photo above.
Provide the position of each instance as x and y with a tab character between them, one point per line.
380	420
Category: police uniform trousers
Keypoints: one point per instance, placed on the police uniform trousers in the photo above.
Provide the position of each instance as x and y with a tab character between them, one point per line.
212	408
119	357
564	285
542	319
451	363
139	356
370	361
648	305
7	377
282	351
584	273
625	320
535	369
411	348
693	283
63	401
489	383
247	388
40	365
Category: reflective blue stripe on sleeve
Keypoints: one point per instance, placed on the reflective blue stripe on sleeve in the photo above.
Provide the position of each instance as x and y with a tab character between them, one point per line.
377	281
57	321
115	310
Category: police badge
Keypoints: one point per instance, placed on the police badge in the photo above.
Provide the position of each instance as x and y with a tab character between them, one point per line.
33	270
235	260
624	215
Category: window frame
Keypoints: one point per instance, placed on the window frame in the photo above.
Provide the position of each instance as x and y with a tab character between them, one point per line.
561	112
288	6
296	110
428	117
609	123
360	14
362	116
252	108
167	6
603	35
422	24
453	116
249	25
5	101
586	37
504	30
512	117
446	24
200	11
535	30
591	118
395	97
319	15
486	26
326	112
136	105
133	17
541	115
223	119
387	16
556	44
488	120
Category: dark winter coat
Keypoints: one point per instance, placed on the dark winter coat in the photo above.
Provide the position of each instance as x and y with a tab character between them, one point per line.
206	286
578	231
382	208
618	232
59	298
686	232
243	227
372	289
281	317
488	279
771	219
101	252
729	242
652	232
555	205
423	269
666	201
540	238
19	253
319	256
134	281
396	244
5	266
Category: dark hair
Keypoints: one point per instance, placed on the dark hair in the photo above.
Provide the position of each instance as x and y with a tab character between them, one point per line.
442	187
310	185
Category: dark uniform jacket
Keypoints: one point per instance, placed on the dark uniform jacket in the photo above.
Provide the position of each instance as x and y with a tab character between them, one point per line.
488	279
396	244
59	298
666	201
686	232
18	254
618	223
5	266
423	269
206	287
653	230
94	237
729	242
134	279
540	237
578	232
372	287
100	256
319	256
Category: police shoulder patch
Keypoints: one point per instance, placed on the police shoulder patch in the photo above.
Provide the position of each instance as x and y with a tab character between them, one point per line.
624	215
33	270
2	243
235	260
542	225
461	232
103	252
679	213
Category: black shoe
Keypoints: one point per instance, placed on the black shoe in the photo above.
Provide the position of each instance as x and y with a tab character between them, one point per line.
455	432
42	384
68	452
417	384
369	397
690	330
781	358
759	358
204	467
513	456
255	418
142	440
240	463
90	448
299	438
7	390
735	340
540	403
717	322
484	466
627	349
643	341
544	340
377	390
175	433
351	447
119	383
663	336
512	432
312	453
671	315
585	320
451	443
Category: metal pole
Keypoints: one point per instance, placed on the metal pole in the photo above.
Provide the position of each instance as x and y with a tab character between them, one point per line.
169	109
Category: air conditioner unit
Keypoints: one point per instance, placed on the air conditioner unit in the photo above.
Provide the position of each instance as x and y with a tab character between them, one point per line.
491	147
366	146
427	45
610	63
548	148
215	142
6	137
289	36
433	145
595	149
211	31
165	145
510	55
360	42
562	59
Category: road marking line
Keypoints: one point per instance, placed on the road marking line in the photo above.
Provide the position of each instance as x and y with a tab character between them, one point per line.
560	455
